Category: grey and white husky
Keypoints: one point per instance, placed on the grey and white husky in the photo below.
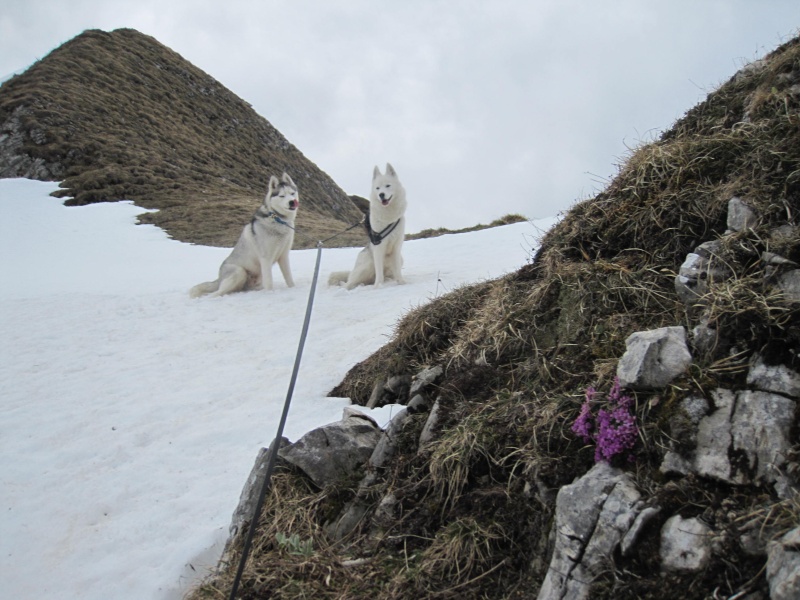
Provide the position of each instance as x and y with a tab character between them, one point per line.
266	240
386	226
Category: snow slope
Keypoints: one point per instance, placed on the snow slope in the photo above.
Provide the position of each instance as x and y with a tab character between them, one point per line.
131	414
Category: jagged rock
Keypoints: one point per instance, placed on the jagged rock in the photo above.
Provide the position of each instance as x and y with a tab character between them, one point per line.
418	404
248	499
760	428
675	464
783	567
740	216
773	378
592	516
387	444
628	542
423	379
654	358
776	260
685	544
397	387
684	427
386	511
705	339
714	438
775	265
332	451
700	268
427	430
695	408
355	510
753	424
14	160
790	285
352	516
377	393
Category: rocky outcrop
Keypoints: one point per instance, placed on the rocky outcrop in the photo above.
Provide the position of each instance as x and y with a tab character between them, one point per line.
654	358
333	452
593	514
15	159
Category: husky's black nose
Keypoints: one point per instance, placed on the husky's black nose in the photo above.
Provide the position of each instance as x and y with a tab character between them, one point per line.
293	204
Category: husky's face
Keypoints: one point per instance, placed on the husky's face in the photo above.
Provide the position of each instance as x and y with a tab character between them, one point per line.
282	195
384	186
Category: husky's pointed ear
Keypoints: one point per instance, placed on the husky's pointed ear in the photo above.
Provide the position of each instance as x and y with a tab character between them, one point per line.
273	185
288	180
390	170
376	172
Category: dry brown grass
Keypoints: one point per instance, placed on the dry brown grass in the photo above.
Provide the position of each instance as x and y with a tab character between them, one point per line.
475	505
119	116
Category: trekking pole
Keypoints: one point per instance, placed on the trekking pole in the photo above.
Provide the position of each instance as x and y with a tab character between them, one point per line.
273	451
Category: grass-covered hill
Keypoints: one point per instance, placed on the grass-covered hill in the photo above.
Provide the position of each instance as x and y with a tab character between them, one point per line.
472	510
117	115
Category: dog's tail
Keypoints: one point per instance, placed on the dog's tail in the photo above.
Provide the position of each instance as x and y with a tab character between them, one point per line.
201	289
338	277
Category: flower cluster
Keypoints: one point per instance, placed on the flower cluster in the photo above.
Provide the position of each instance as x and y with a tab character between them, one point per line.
614	430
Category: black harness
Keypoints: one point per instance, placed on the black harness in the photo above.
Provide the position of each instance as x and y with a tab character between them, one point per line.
376	237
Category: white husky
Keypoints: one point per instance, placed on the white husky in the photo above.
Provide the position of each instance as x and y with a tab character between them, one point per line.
266	240
386	226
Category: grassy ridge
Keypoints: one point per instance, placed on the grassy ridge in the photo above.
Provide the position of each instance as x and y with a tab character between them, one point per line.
120	116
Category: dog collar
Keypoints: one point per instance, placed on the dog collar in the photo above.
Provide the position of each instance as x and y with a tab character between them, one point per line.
277	218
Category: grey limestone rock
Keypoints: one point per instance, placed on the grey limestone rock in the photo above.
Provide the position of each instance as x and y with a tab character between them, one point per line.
740	215
789	284
685	544
773	378
332	451
654	358
783	567
593	514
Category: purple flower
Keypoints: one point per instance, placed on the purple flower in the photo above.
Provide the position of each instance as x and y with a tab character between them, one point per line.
583	424
614	431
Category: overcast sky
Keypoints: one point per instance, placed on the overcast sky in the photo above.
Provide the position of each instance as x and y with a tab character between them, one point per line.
484	108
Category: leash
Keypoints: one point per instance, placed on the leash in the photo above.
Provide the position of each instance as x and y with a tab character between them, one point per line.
273	449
